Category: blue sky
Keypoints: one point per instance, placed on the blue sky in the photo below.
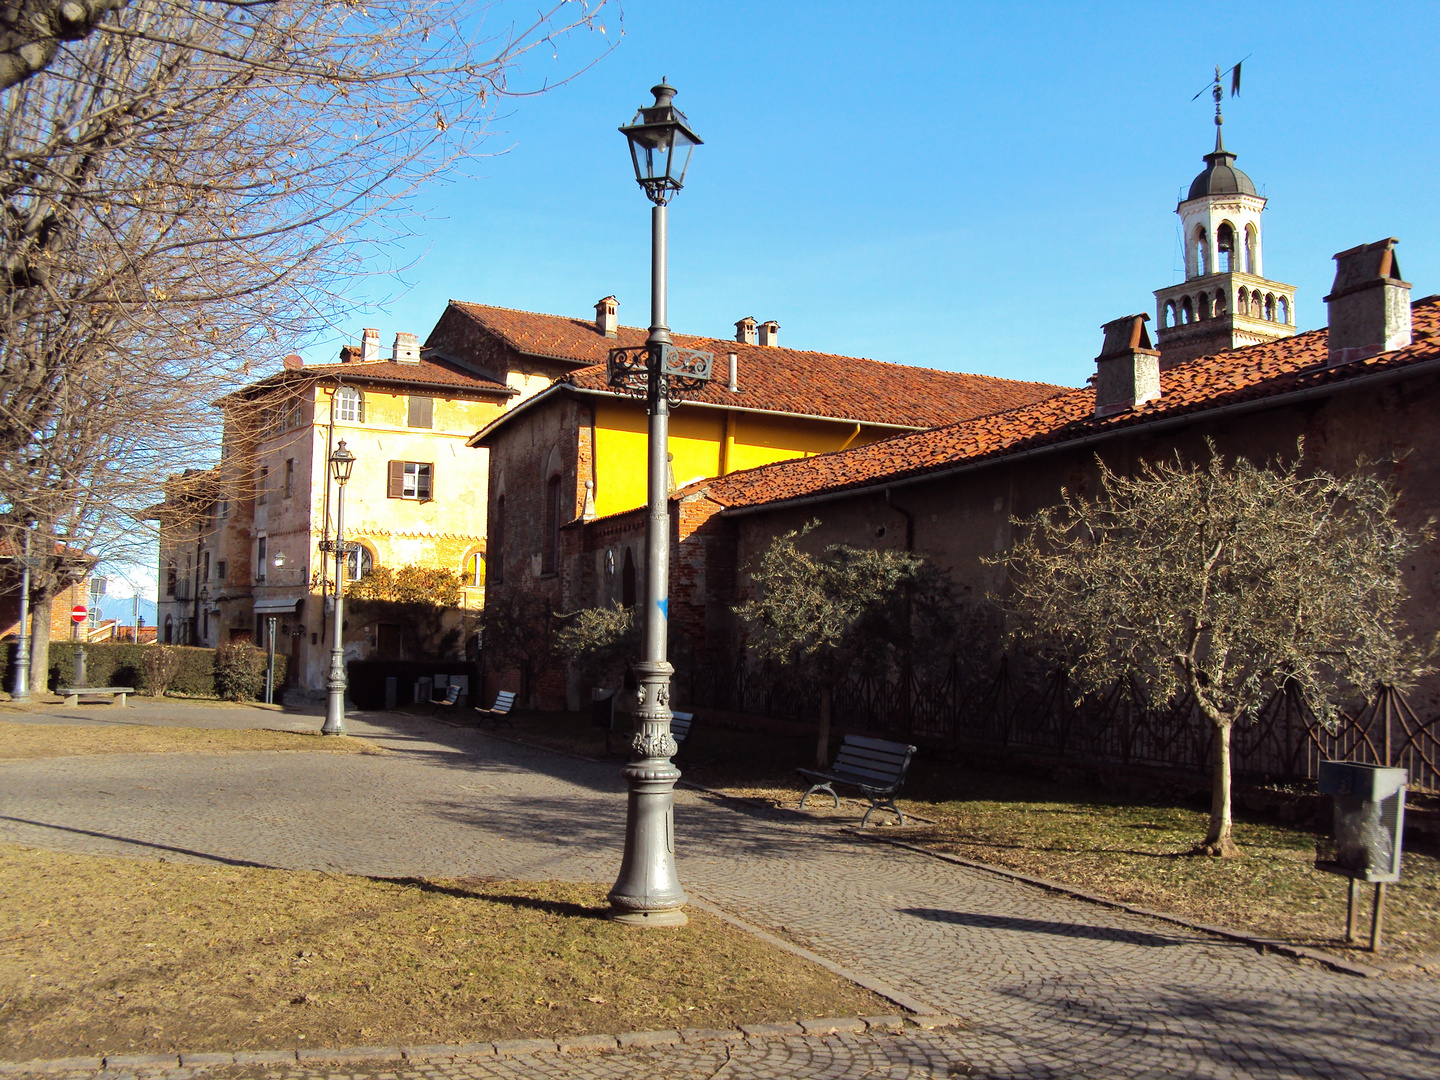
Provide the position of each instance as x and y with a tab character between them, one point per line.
966	186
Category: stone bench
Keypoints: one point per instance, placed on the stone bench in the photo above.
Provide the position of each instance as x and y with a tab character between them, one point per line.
73	694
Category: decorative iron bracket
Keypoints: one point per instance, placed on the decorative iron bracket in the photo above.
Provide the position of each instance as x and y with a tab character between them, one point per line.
347	547
683	371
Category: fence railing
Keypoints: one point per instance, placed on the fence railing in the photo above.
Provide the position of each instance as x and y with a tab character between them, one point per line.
1285	743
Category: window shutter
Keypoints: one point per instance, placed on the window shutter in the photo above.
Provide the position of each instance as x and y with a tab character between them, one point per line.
422	411
425	482
397	479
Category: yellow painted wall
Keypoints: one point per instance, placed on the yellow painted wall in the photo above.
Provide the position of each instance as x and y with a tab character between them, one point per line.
704	443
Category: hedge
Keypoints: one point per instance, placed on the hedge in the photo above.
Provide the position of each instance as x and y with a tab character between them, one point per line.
123	664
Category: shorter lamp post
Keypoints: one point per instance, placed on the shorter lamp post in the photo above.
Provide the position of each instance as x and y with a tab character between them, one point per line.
20	683
342	461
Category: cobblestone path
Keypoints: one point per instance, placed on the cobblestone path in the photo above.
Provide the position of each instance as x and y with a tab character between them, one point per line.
1049	986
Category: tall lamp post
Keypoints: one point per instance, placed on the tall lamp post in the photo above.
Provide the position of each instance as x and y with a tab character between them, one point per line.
647	892
341	462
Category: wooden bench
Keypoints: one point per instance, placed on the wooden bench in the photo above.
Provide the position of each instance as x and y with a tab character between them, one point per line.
73	694
680	729
874	766
500	711
451	698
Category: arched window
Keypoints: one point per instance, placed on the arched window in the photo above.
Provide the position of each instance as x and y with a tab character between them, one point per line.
349	406
1269	307
1252	249
1283	306
169	630
1187	313
1202	304
627	580
1242	301
550	555
1255	304
1202	252
1220	304
359	563
497	539
473	571
1225	240
1170	314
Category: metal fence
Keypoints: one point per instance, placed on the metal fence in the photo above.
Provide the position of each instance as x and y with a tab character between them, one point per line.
1285	743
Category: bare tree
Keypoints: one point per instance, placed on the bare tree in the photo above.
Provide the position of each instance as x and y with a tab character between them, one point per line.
185	191
32	32
1223	584
847	609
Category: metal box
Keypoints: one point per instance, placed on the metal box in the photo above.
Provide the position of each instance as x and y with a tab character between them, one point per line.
1369	820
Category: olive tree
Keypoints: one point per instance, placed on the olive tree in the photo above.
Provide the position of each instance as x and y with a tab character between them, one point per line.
1221	583
822	616
599	642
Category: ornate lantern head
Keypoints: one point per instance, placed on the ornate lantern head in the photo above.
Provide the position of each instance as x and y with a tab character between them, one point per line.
341	462
661	143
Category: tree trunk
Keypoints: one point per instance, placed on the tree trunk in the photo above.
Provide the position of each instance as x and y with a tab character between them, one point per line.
42	601
822	745
1219	841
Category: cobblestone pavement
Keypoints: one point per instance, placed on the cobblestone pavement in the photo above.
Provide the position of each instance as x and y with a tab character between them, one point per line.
1049	986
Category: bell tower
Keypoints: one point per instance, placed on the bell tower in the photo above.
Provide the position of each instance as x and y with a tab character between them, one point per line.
1226	301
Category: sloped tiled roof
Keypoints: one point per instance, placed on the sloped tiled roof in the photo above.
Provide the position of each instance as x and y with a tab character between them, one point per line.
427	372
1238	375
775	379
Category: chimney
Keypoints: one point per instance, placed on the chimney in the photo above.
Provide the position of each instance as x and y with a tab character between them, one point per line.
770	333
734	386
606	321
1369	305
349	354
407	349
370	346
1128	368
293	362
745	331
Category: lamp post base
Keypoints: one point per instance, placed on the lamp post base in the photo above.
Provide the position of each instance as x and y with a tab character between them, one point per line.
672	917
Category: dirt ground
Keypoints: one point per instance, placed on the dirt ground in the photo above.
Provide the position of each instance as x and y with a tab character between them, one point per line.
106	954
39	740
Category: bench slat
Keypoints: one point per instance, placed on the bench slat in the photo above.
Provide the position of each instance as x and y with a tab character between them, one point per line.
871	761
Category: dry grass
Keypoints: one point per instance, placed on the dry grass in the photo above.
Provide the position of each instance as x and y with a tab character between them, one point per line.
59	740
104	954
1134	851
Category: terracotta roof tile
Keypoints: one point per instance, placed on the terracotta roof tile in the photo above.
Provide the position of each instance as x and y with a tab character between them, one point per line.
388	372
776	379
1238	375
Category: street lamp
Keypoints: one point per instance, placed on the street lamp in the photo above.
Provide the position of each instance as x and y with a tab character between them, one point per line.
647	892
341	463
20	681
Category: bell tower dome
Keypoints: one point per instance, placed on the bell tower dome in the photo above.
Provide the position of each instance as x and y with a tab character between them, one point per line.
1226	301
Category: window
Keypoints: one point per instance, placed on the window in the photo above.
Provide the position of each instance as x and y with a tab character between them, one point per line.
169	630
497	540
473	572
260	559
170	582
1283	309
222	509
411	480
550	558
627	580
264	483
350	406
289	477
219	569
422	412
1225	239
359	563
205	567
291	417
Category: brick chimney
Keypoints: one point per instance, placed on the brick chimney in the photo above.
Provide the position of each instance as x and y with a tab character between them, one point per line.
745	331
606	319
407	349
349	354
1369	305
770	333
370	346
1128	368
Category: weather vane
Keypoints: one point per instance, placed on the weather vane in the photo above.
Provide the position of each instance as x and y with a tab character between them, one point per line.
1216	87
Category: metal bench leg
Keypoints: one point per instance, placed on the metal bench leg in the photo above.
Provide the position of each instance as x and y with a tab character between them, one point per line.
888	804
820	787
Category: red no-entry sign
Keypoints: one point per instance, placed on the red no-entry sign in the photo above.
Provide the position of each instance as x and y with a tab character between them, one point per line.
79	613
